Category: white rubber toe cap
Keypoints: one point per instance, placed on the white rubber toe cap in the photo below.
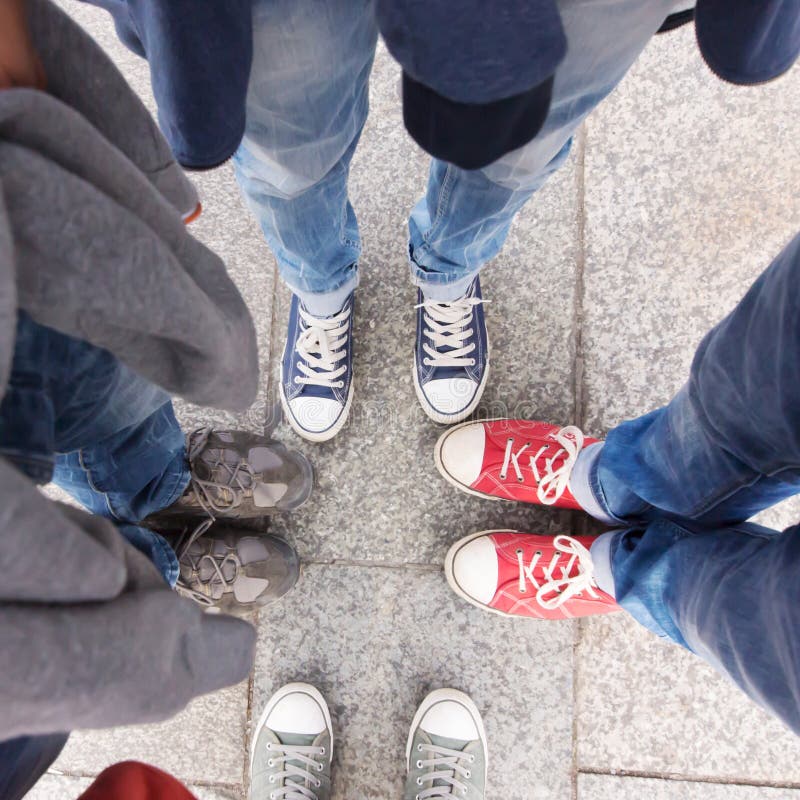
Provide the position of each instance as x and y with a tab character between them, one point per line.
315	414
450	395
462	453
297	712
475	569
450	719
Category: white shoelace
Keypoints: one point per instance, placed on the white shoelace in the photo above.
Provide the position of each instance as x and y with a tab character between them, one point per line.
448	767
448	326
299	769
321	346
550	483
565	587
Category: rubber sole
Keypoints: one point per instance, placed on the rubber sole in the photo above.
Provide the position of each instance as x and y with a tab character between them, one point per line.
451	580
437	457
449	419
454	695
291	688
309	436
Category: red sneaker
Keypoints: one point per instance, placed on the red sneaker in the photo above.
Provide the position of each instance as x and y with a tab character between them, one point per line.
512	459
526	575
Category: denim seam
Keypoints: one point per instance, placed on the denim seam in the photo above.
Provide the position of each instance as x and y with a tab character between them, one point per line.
351	277
442	204
94	487
597	488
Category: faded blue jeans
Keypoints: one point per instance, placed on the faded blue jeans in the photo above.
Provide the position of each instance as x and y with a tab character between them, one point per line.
689	475
306	107
73	414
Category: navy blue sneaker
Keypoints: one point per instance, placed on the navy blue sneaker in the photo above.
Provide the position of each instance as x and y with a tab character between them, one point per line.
451	355
317	371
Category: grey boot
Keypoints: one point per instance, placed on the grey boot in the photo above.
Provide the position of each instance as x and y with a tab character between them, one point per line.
233	571
238	475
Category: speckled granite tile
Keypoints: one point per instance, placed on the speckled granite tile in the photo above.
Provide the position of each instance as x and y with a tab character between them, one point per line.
64	787
611	787
646	705
691	190
379	495
376	640
204	743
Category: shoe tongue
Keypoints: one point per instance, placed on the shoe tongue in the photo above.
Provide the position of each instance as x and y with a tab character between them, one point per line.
450	744
297	739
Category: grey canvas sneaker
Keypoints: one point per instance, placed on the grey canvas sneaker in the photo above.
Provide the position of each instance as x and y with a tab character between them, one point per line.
292	744
446	755
238	475
231	571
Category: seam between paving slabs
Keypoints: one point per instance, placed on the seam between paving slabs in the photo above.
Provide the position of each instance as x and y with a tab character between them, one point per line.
684	778
578	414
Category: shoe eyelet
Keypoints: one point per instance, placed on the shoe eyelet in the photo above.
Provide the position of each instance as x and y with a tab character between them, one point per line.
523	590
296	379
419	764
419	748
472	362
269	746
272	779
318	784
503	476
468	774
426	362
270	763
272	796
519	551
320	768
419	781
539	553
322	751
520	480
472	759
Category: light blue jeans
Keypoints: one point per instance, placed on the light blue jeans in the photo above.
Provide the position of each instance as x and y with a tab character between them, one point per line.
685	478
307	104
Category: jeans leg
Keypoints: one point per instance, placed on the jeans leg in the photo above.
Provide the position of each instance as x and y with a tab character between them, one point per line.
306	106
24	760
730	595
728	445
465	216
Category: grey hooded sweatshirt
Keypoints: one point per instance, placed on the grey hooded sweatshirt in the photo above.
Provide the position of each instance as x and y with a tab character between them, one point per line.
92	243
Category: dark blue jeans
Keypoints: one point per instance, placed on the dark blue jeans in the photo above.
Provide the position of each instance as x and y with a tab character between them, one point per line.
688	475
73	414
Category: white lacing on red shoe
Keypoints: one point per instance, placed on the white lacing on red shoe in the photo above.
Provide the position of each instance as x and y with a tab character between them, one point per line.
550	483
565	587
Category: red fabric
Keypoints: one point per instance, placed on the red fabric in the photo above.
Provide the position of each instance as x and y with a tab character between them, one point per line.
131	780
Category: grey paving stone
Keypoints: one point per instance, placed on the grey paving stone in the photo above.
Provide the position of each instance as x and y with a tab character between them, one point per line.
691	190
378	494
205	743
64	787
376	640
610	787
645	705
